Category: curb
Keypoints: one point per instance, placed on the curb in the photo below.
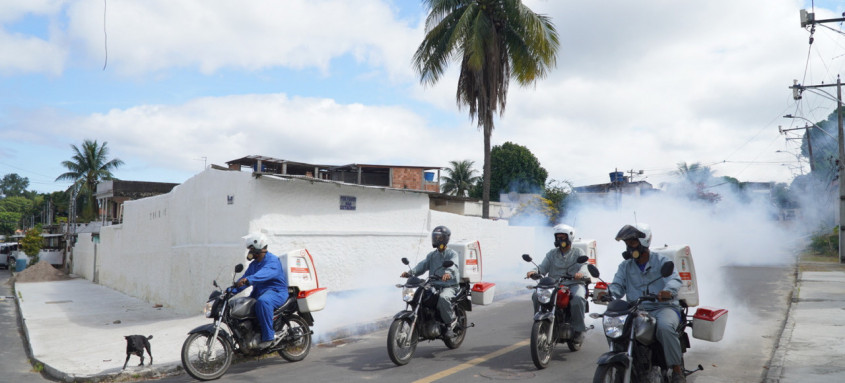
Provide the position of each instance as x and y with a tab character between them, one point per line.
774	370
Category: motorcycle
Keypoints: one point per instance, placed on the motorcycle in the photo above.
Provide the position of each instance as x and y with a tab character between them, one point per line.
421	320
209	349
635	354
552	321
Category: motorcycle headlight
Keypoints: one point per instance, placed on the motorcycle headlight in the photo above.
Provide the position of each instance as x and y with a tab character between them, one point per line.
208	310
408	294
544	295
614	326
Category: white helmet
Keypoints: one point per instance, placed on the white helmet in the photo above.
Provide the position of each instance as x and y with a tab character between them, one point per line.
255	240
565	229
643	227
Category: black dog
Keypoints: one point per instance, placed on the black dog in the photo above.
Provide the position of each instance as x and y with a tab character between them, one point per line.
136	344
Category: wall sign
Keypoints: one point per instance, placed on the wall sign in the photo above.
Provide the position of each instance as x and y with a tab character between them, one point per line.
347	202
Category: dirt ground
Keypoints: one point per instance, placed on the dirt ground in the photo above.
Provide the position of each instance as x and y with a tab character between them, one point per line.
40	272
809	262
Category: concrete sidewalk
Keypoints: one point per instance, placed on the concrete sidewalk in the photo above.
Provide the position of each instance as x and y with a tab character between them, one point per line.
811	347
75	329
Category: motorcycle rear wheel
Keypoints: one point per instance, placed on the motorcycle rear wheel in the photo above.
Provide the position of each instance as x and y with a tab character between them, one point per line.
460	330
299	348
399	333
203	361
541	346
609	373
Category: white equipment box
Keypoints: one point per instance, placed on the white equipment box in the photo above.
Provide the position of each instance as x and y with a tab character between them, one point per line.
471	266
301	273
682	256
709	323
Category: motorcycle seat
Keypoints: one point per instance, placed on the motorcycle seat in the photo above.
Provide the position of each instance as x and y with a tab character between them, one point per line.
287	305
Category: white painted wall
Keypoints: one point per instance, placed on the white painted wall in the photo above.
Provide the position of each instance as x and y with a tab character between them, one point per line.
170	247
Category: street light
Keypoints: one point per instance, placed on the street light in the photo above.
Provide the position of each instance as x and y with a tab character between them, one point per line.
811	123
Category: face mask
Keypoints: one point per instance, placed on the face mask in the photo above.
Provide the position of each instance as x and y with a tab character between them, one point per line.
562	243
441	247
250	254
634	252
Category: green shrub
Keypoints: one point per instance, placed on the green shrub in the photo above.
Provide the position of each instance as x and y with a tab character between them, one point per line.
826	243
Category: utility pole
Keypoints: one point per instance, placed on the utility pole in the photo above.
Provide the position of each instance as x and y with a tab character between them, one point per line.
809	141
797	89
809	18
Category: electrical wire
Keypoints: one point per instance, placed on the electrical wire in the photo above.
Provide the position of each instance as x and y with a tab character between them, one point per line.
105	37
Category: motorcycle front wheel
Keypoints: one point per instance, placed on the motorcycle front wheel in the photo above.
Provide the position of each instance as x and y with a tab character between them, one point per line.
541	345
609	373
401	342
460	330
205	358
297	349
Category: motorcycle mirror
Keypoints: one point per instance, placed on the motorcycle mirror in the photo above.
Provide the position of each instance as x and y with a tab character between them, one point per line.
239	268
405	261
594	271
526	257
582	259
667	269
214	283
448	264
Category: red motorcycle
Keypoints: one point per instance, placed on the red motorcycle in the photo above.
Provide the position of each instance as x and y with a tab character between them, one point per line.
552	321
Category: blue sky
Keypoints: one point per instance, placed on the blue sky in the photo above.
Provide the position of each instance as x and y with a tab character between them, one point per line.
638	85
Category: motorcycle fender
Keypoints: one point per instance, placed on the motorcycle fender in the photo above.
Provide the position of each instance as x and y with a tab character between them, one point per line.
409	315
546	316
209	329
308	318
613	357
465	304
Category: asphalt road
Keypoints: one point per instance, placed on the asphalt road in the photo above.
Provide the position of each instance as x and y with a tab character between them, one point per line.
497	348
14	363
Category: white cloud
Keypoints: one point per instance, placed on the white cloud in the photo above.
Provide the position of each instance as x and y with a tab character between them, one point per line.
211	35
294	128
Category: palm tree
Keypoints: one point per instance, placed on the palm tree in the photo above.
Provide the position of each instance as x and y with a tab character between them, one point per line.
88	167
460	178
495	40
695	173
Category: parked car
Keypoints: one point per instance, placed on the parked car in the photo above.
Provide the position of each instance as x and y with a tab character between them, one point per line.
7	255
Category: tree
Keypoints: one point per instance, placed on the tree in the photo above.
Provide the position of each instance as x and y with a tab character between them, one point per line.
13	185
87	168
460	177
825	147
536	211
514	168
697	176
495	40
31	244
695	173
558	192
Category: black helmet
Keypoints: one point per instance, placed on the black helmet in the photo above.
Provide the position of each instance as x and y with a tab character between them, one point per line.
440	236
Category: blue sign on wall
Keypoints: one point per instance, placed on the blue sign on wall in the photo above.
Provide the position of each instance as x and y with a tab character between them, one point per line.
347	202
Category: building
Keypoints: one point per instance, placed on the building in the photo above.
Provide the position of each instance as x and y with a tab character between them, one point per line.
112	194
425	178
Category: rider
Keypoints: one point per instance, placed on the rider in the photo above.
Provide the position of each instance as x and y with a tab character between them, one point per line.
433	263
562	261
640	267
269	284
